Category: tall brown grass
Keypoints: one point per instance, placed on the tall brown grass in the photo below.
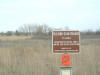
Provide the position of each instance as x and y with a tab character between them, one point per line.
35	57
12	38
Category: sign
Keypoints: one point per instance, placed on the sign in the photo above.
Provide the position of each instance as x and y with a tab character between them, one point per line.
66	41
66	60
65	71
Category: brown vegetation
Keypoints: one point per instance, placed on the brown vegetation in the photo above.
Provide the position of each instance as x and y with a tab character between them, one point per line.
14	38
35	57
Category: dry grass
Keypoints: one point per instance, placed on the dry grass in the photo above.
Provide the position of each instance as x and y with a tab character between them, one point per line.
35	57
23	58
87	61
13	38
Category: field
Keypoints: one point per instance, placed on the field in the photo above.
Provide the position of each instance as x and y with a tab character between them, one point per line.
28	56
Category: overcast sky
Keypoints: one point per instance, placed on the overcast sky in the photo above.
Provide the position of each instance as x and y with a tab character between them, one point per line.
76	14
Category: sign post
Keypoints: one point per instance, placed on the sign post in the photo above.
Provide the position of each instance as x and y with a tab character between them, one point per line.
66	42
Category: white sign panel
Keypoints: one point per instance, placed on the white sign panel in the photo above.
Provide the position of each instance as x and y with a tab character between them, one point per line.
65	71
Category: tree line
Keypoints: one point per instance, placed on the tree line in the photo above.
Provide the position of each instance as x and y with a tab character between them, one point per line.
43	29
30	30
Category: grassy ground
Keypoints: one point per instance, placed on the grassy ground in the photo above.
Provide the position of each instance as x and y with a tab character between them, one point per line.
25	56
13	38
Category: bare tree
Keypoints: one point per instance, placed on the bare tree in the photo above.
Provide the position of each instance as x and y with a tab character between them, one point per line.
9	33
98	31
35	29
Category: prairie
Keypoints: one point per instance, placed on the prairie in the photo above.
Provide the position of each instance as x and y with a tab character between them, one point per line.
12	38
22	55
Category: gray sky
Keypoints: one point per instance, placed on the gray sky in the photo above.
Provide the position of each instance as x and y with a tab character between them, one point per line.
76	14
